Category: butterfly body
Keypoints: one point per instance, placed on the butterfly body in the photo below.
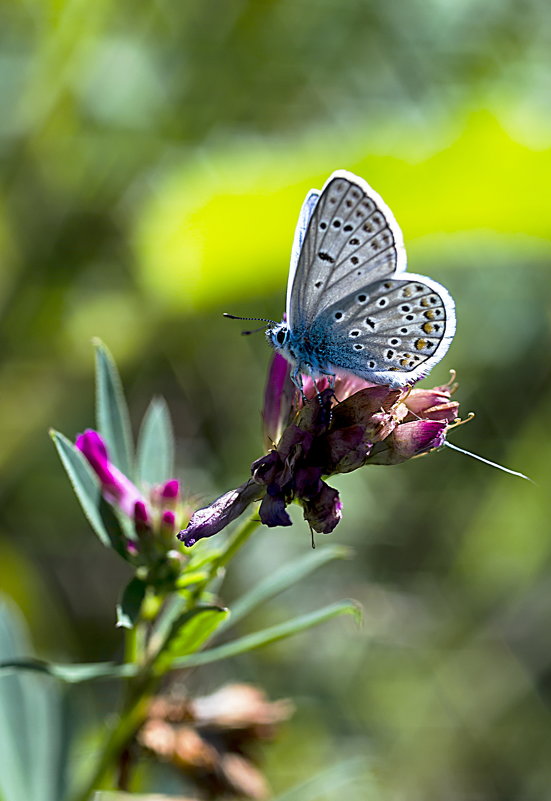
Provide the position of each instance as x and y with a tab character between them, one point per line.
351	307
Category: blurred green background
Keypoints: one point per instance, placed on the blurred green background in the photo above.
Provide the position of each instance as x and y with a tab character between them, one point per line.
153	160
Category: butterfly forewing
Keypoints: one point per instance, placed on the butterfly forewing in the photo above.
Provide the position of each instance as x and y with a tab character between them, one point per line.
352	238
393	330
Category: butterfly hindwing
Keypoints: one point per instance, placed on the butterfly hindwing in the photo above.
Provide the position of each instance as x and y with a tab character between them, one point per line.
389	331
352	238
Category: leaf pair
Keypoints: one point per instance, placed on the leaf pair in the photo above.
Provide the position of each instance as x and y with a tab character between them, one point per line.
152	465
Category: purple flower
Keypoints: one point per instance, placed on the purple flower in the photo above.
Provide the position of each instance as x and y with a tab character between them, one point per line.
332	431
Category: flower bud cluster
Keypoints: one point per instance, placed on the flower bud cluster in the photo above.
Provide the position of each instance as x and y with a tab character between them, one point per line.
156	514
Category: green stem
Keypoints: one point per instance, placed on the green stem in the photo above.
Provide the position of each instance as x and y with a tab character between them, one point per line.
140	690
132	715
138	694
131	645
239	539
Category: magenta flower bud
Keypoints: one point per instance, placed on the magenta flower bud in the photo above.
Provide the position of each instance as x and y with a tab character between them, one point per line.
116	487
142	522
170	491
168	519
140	513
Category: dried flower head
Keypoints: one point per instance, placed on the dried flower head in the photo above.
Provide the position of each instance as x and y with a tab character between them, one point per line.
213	739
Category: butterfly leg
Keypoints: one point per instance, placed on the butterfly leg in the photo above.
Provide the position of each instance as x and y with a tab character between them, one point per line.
325	403
296	378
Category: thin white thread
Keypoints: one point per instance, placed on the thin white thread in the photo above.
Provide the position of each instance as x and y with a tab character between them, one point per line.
487	461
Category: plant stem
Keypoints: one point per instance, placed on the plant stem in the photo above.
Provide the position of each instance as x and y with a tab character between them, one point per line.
239	539
140	690
138	693
132	715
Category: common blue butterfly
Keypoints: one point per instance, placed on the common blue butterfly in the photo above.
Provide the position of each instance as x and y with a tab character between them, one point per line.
350	304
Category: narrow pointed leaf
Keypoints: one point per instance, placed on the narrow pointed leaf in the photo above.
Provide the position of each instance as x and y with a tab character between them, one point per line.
282	579
88	491
119	795
128	610
273	634
112	412
70	673
156	445
189	632
107	670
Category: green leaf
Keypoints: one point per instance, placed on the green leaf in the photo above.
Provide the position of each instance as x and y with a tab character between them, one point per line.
282	579
156	445
111	411
119	795
128	610
273	634
69	673
88	491
189	632
31	741
108	670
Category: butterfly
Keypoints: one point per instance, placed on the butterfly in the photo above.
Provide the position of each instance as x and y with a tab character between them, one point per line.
351	306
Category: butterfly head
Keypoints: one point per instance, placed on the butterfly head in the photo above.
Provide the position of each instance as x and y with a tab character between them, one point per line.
278	336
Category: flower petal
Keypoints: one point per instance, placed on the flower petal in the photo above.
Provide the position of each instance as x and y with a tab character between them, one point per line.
272	511
408	440
212	519
347	449
359	408
432	404
324	511
265	469
279	396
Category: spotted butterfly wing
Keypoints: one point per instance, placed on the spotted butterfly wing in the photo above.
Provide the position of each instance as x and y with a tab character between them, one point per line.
351	239
349	294
391	331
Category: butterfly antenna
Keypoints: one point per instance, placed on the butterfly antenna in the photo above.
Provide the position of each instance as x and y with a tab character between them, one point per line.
255	330
487	461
